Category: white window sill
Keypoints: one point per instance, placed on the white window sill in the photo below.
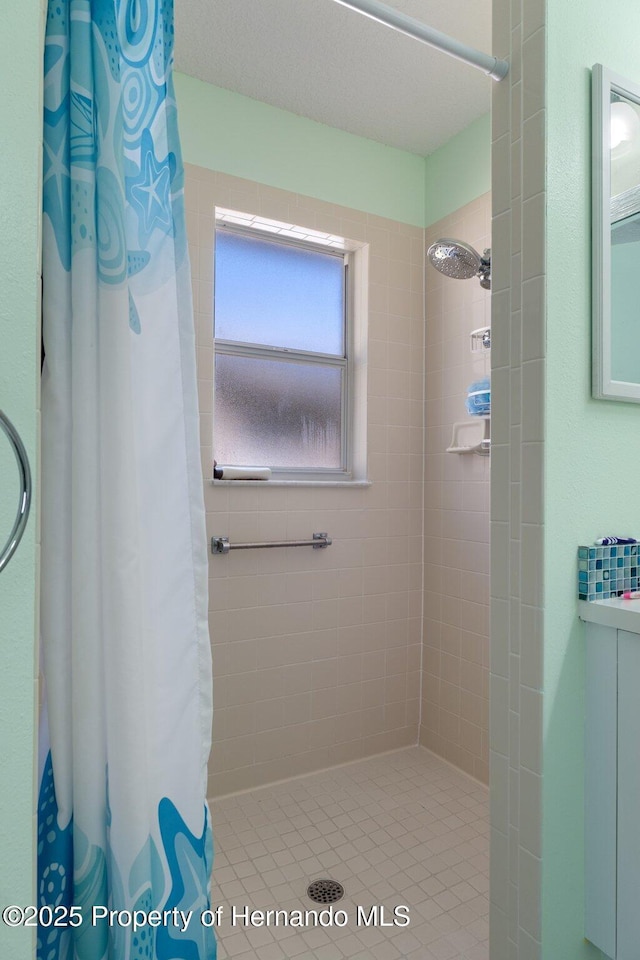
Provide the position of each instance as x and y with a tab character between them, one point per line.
291	483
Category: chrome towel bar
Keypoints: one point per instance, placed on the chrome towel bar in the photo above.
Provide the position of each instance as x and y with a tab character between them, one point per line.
222	545
24	503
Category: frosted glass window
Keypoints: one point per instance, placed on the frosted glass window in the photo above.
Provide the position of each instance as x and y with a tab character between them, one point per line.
274	293
281	366
278	413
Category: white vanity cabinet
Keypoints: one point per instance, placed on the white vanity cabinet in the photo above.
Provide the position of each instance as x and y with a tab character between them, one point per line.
612	777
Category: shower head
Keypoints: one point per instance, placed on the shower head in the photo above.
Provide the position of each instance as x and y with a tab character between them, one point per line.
460	261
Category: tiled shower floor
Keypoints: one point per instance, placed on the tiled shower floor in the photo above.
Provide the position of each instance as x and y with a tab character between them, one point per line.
401	828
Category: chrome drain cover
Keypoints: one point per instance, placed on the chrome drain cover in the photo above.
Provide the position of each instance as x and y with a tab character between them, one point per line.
325	891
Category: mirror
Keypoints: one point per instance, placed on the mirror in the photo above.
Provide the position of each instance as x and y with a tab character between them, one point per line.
616	237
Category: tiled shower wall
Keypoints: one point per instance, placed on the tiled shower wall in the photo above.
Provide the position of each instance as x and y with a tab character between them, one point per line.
455	686
517	458
316	654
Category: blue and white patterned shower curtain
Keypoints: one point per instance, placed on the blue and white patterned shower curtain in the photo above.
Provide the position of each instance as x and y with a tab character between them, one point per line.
123	822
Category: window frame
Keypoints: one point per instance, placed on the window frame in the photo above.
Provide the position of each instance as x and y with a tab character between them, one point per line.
222	347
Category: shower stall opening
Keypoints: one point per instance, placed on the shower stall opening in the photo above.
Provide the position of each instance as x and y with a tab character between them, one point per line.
350	758
350	735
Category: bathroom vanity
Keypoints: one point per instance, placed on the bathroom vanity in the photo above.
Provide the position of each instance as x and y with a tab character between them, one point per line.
612	776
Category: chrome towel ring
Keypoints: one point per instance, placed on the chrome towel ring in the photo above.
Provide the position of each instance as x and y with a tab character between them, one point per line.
24	504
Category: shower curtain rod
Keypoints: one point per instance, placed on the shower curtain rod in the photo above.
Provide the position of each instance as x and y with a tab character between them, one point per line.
497	69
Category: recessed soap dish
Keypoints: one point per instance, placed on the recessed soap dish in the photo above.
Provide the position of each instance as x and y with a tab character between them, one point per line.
471	436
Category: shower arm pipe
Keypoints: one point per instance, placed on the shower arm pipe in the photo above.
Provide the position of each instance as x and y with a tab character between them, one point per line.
497	69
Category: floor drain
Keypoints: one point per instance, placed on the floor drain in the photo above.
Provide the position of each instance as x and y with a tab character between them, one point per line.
325	891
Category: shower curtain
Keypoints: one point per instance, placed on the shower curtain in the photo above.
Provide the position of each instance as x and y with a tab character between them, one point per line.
122	817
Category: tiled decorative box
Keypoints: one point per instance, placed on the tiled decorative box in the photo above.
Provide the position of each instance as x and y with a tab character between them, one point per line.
605	572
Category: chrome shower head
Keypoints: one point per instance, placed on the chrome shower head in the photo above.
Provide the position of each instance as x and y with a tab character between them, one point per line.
460	261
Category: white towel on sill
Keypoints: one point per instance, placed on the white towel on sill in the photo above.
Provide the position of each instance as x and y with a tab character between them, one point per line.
245	473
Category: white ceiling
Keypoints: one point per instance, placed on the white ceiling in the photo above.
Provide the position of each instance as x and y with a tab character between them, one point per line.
321	60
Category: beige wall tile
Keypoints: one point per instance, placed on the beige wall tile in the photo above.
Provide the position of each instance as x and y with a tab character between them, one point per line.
319	653
517	483
311	649
456	584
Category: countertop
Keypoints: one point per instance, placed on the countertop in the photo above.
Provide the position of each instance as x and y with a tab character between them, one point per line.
618	613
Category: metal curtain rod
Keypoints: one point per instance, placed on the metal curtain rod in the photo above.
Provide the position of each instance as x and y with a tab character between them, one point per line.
222	545
497	69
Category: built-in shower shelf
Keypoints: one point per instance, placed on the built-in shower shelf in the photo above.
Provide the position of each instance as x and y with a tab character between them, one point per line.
480	340
471	436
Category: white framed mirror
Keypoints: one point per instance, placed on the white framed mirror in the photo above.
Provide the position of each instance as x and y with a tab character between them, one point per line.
616	236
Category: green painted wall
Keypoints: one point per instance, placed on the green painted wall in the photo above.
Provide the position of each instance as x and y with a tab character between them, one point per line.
459	171
591	452
21	123
225	131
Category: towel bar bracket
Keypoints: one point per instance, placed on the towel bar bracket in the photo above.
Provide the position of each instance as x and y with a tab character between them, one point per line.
222	544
